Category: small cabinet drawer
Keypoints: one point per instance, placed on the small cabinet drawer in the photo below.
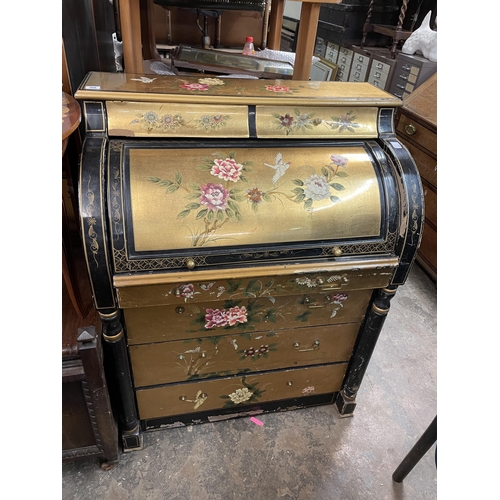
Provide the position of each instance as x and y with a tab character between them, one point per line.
168	362
237	392
164	323
332	52
410	129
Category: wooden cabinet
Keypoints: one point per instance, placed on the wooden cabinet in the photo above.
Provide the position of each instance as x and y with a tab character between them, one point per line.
410	72
243	239
417	130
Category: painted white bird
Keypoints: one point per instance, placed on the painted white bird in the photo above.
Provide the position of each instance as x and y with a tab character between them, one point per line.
279	166
144	79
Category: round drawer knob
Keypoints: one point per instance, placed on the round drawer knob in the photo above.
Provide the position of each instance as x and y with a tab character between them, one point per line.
337	251
190	263
289	382
410	129
179	309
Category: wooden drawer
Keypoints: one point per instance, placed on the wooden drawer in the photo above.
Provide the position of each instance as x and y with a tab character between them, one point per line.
268	282
423	136
427	252
430	198
427	165
177	361
190	321
332	52
236	392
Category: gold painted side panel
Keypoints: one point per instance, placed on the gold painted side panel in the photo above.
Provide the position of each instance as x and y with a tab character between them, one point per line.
319	122
168	362
289	282
237	392
136	119
183	198
191	321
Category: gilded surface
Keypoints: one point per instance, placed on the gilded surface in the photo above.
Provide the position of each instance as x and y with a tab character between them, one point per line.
191	89
333	122
184	198
237	392
135	119
219	356
188	321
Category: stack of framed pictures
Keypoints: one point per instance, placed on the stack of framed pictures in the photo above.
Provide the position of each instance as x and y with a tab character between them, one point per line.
323	70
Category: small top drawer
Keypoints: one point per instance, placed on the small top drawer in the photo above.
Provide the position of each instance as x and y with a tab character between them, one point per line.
332	52
408	128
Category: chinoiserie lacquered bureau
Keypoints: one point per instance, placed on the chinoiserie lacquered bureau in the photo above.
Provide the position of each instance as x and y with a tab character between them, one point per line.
243	240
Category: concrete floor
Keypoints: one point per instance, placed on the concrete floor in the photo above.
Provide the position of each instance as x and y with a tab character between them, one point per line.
304	454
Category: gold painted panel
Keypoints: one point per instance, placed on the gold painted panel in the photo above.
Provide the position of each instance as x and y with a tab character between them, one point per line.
184	198
237	392
288	281
192	89
136	119
303	122
168	362
191	321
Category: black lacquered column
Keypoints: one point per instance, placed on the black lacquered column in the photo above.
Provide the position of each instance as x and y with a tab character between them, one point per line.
346	398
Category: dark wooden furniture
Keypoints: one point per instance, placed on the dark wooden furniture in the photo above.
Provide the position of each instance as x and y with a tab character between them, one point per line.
417	130
255	235
397	33
89	430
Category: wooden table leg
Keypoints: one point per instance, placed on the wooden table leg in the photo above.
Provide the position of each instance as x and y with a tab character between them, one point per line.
130	19
306	40
149	50
275	24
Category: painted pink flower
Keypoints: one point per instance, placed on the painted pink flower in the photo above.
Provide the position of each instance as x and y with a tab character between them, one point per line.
195	86
236	315
187	291
339	298
339	160
227	169
277	88
308	390
214	196
215	318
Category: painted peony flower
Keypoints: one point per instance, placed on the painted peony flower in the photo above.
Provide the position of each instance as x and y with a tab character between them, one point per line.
339	298
236	315
277	88
187	291
339	160
317	188
227	169
215	318
241	395
214	196
150	116
308	390
195	86
286	121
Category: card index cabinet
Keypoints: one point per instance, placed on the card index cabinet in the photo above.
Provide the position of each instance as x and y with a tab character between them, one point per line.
243	238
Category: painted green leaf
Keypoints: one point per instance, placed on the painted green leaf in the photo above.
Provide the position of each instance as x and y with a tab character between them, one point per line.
270	334
303	317
233	285
337	186
308	203
232	154
266	197
183	214
165	182
324	171
172	188
220	215
193	206
300	197
202	213
341	173
178	177
297	190
334	199
210	216
154	179
298	182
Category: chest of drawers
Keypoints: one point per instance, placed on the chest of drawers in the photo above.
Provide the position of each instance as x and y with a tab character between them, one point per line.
381	71
410	72
417	129
243	240
344	62
359	66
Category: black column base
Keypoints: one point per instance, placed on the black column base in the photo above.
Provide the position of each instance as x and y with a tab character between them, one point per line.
345	405
132	440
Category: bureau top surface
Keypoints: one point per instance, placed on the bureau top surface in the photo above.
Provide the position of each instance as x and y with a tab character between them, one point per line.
211	90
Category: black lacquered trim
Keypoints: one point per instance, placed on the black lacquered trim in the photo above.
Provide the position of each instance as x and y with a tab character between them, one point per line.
412	209
93	223
252	122
94	116
386	121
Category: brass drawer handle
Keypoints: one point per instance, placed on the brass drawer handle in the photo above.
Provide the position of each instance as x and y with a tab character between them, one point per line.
179	309
410	129
289	382
315	346
190	263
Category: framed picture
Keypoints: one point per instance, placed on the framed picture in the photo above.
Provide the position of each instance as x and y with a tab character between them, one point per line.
323	70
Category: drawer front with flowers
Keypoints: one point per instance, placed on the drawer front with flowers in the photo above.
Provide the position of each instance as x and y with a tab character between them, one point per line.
206	357
239	391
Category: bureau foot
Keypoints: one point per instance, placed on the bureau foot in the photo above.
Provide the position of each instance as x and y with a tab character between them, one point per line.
106	466
132	440
345	405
